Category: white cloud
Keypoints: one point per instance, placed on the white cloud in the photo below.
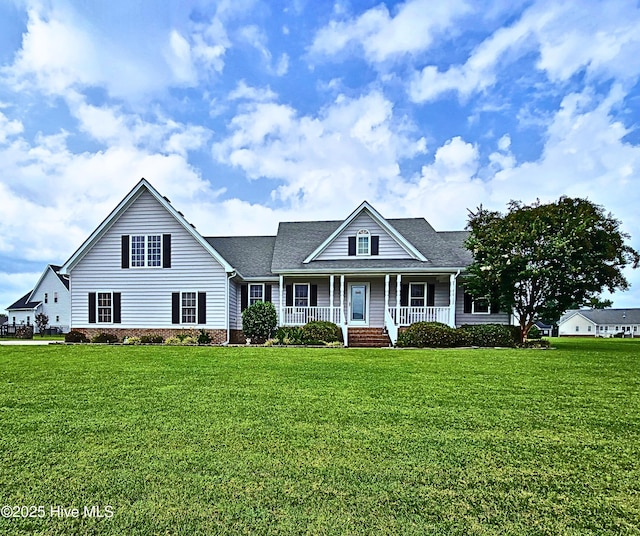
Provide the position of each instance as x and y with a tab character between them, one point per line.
349	152
603	40
410	30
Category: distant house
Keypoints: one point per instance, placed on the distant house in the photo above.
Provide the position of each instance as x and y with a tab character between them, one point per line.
147	269
50	296
600	323
546	330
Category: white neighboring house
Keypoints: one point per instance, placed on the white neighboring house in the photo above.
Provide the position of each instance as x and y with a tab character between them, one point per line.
600	323
50	296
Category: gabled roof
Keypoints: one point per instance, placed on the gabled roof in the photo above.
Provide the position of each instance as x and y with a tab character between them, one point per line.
605	316
131	197
250	255
64	279
366	207
24	303
296	241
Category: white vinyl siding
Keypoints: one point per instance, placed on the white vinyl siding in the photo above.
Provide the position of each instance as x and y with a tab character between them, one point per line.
59	302
388	247
579	325
147	294
463	318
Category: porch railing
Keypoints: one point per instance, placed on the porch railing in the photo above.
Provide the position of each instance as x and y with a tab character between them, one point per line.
410	315
298	316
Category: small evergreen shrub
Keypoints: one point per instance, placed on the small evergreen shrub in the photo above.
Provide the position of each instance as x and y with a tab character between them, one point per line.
204	337
24	332
132	341
536	343
189	340
489	335
75	336
151	339
259	321
173	341
323	331
104	338
428	335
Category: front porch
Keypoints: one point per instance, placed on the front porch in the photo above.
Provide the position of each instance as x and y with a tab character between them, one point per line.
386	301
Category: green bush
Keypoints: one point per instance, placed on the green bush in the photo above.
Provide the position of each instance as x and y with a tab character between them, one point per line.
259	321
289	335
204	337
104	338
536	343
75	336
319	330
489	335
428	335
534	333
173	341
151	339
132	340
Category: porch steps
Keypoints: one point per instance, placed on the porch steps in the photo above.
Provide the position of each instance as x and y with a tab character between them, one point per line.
368	338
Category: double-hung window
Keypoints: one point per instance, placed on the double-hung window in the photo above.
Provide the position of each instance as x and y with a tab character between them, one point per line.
105	307
146	251
301	295
481	306
256	293
189	308
417	295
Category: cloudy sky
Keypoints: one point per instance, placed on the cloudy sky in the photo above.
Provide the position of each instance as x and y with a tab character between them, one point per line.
248	112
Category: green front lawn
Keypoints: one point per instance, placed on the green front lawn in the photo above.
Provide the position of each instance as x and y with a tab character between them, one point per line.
193	440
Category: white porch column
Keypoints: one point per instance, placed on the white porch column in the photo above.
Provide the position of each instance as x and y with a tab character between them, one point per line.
280	293
452	299
342	315
331	284
386	294
398	284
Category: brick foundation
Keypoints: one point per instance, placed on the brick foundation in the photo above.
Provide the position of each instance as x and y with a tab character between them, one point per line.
218	336
237	337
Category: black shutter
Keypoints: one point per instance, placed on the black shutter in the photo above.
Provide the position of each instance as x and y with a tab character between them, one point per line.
468	302
375	245
431	293
92	307
244	297
175	308
202	307
166	251
117	308
313	299
125	251
352	245
267	293
495	307
404	295
289	296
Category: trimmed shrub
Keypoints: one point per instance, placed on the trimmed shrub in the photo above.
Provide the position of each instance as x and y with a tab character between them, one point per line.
489	335
151	339
24	332
75	336
104	338
289	335
259	321
323	331
204	337
173	341
536	343
428	335
132	340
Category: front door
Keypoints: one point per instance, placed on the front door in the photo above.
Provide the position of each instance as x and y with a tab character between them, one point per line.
359	304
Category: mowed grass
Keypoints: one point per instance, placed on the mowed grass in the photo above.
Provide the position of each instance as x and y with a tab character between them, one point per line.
313	441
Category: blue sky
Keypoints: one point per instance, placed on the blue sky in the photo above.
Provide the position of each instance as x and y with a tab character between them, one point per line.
246	112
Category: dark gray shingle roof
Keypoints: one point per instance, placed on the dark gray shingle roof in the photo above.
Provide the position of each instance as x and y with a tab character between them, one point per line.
249	255
607	316
23	303
297	240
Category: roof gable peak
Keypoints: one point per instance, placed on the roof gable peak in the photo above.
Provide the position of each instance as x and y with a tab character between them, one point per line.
365	206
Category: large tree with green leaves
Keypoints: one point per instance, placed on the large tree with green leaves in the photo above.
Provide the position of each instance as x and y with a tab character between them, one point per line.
541	259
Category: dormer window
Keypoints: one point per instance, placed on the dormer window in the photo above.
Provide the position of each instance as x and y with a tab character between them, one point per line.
363	241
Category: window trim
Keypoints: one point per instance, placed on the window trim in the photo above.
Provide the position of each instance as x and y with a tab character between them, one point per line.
363	233
473	306
250	299
307	297
423	297
145	251
110	293
195	308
